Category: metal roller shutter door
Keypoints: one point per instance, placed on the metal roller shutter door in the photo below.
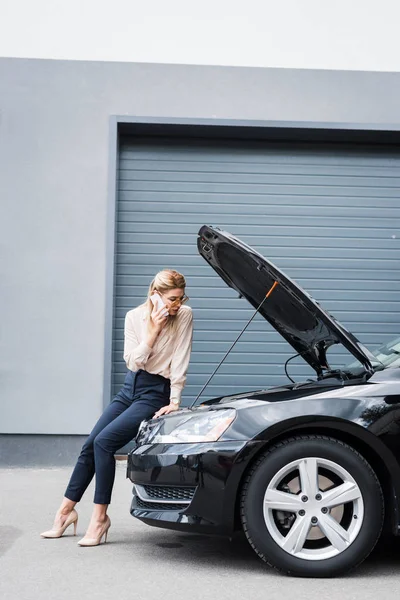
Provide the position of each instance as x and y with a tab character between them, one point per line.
329	216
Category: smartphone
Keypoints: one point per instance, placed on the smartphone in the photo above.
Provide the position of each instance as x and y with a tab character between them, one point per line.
158	303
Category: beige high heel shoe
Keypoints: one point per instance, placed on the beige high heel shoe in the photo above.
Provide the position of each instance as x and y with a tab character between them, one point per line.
85	541
56	533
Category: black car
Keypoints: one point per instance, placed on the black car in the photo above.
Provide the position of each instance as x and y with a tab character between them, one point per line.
310	471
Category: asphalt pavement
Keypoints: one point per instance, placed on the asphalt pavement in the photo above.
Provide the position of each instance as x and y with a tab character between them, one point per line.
145	563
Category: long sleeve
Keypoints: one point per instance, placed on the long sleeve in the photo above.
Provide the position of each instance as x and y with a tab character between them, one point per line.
181	356
136	353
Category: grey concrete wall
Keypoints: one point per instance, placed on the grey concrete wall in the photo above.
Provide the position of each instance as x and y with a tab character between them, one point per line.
54	156
25	450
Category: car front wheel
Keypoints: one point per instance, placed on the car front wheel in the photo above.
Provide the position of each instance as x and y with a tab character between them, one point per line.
312	506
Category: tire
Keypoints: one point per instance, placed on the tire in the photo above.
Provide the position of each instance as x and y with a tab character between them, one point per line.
349	519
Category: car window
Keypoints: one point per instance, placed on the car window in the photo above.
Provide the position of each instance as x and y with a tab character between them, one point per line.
387	355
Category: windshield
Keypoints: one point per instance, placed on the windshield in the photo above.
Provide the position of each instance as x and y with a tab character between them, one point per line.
387	355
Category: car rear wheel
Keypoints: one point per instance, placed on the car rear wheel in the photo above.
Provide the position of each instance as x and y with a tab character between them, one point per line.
312	506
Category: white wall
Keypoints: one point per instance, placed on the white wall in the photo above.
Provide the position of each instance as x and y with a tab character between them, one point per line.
316	34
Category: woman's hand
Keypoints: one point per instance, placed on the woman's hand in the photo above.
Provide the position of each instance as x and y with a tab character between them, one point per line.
156	323
158	320
165	410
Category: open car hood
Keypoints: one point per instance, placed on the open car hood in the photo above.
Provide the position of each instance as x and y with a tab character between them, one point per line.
290	310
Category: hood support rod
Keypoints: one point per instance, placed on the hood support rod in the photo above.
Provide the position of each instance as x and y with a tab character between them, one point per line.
237	339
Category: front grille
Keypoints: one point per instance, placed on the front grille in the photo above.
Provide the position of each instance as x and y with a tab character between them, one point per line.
164	492
158	506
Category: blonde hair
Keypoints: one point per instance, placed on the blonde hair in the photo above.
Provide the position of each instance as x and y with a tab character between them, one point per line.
165	280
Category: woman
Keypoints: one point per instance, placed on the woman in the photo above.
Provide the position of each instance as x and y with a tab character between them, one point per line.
156	351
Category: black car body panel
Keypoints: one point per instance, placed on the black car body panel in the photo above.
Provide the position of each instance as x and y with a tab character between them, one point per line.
214	470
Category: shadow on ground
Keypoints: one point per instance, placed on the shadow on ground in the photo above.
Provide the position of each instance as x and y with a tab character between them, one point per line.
8	535
236	554
383	560
201	550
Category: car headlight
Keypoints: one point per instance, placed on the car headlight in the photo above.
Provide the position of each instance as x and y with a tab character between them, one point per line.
207	427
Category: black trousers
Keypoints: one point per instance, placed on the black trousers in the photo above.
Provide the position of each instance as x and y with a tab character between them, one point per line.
140	397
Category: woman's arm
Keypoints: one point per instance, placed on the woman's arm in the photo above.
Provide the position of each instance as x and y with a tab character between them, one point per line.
136	353
179	362
181	357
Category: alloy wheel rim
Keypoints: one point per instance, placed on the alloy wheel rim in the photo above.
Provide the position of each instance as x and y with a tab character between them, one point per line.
322	518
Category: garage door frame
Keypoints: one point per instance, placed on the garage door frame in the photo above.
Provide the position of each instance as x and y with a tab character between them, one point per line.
310	132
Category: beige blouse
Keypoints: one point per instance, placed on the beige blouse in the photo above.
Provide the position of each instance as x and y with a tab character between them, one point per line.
170	354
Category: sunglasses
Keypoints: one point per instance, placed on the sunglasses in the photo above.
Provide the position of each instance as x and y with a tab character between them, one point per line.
181	301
